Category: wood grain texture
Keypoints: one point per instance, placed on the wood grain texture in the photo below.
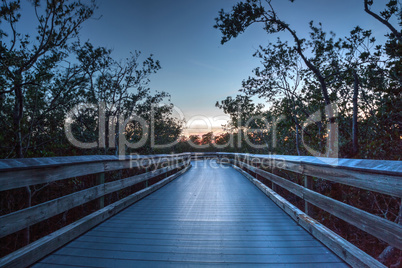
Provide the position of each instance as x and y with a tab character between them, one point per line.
381	228
389	167
308	183
48	171
345	250
42	247
373	175
21	219
210	216
46	162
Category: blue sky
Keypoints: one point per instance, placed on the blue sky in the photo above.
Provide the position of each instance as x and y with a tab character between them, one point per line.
196	69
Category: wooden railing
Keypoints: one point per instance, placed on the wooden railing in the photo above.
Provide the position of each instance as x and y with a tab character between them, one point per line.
202	156
17	173
373	175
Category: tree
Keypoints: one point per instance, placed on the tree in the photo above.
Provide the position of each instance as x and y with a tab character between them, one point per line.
28	65
195	139
247	122
207	139
385	15
122	87
363	77
28	62
335	75
253	11
280	77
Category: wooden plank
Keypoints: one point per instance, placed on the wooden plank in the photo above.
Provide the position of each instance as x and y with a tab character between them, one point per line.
42	247
82	262
381	177
21	219
100	180
313	243
46	162
202	198
381	228
389	167
380	183
26	177
345	250
279	236
17	179
199	156
204	231
308	183
200	258
202	250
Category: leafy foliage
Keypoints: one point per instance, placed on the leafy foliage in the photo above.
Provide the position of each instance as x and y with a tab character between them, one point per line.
361	76
45	75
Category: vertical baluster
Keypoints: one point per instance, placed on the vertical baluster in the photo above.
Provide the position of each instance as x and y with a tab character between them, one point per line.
100	179
308	183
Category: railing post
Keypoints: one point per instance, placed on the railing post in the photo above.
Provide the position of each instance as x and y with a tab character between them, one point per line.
169	163
308	183
146	181
100	179
273	185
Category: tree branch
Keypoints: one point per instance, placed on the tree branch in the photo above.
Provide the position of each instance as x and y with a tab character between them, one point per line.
397	34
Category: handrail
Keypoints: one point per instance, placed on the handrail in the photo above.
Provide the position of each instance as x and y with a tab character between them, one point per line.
17	173
31	215
373	175
381	176
47	162
383	229
389	167
202	155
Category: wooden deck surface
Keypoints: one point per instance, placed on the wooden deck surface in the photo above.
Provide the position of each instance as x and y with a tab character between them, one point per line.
208	216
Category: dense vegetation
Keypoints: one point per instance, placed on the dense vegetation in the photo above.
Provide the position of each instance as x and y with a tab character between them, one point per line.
324	95
46	75
357	77
49	79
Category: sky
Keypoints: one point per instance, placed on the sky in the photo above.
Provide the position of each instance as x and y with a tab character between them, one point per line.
196	69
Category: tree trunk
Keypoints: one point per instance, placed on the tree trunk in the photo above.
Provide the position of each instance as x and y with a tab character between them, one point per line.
296	121
332	136
355	111
29	204
297	140
17	116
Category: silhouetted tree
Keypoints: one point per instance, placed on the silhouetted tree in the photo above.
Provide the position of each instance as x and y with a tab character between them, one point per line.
29	62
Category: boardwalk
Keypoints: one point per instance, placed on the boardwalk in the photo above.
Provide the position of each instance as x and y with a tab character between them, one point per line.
208	216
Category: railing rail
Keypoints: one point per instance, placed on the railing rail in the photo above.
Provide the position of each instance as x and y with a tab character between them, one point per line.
381	176
204	155
16	173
